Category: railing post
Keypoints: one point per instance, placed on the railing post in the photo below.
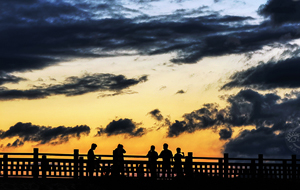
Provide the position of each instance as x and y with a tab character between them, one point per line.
5	168
253	169
260	165
35	163
44	166
76	154
220	167
294	167
81	167
284	167
225	165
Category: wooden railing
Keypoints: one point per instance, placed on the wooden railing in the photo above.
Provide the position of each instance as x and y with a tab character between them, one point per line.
45	165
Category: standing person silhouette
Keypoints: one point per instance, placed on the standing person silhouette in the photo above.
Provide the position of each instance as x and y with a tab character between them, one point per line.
91	160
178	164
118	159
152	158
188	167
167	158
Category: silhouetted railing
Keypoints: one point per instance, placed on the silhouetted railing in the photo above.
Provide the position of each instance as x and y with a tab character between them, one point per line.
44	165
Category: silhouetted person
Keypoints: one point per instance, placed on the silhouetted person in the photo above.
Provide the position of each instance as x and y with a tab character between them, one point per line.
178	164
91	160
118	160
188	167
152	158
167	158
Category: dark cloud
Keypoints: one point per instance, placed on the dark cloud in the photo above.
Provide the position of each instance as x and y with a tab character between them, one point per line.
107	94
73	86
16	143
225	133
162	121
122	126
8	78
263	140
39	34
271	75
156	114
207	117
27	132
269	114
77	30
180	92
280	12
43	33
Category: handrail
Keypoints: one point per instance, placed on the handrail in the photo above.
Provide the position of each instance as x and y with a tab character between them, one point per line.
76	166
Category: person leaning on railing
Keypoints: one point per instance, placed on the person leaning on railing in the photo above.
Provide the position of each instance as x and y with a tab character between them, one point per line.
178	164
152	158
118	160
167	158
188	167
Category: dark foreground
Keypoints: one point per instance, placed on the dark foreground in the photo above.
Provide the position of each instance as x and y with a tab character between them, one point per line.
146	184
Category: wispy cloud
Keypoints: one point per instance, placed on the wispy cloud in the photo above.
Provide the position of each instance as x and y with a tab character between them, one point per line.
9	78
156	114
74	86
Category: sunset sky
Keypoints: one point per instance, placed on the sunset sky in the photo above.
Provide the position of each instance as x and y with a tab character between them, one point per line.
209	76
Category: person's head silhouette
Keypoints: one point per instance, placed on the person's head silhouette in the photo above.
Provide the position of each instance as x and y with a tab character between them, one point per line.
152	147
166	146
178	150
93	146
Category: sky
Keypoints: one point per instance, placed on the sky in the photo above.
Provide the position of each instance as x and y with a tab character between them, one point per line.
210	77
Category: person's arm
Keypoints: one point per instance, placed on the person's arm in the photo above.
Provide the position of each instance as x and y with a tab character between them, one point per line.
160	155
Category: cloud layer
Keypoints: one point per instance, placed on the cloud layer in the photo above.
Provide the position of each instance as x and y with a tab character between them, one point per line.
39	34
27	132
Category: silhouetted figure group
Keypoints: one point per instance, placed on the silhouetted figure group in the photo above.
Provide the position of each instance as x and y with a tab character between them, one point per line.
117	169
167	161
